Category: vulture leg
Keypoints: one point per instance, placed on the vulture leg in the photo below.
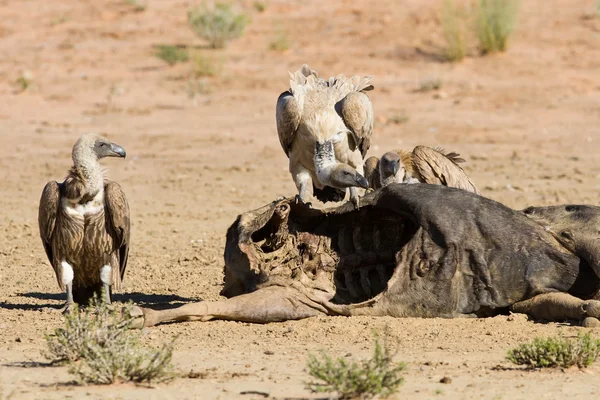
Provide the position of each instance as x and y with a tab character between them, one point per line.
557	307
105	278
70	303
303	182
270	304
354	197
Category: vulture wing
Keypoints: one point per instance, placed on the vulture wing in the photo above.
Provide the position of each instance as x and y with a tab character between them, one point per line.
438	168
49	203
288	111
356	110
372	172
288	118
118	220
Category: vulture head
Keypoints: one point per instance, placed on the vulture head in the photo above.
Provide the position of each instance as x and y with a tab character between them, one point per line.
391	168
94	147
334	173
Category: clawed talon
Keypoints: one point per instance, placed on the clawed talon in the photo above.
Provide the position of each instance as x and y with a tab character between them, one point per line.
299	200
68	308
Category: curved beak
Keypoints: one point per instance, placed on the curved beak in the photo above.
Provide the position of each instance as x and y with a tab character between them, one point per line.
117	150
361	181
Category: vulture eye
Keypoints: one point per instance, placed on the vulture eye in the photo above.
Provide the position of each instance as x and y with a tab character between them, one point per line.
529	210
567	235
347	173
102	144
571	208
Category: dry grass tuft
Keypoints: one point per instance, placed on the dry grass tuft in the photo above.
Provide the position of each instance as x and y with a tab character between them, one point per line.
557	352
378	376
217	25
99	348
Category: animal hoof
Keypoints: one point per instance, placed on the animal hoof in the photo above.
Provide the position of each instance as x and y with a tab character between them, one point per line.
592	309
591	322
136	314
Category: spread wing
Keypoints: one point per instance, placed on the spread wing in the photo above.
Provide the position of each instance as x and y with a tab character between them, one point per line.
372	172
288	118
49	203
357	112
118	219
438	168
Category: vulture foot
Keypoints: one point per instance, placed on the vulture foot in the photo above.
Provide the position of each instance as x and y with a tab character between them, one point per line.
299	200
136	314
69	308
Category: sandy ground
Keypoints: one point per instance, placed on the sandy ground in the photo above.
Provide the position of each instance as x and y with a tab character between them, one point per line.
527	121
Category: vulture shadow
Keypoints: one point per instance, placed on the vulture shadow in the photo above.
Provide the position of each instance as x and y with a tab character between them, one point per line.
141	299
28	364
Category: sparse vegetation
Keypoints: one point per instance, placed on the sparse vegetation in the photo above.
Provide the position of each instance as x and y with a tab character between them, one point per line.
99	348
172	54
259	6
281	42
495	21
205	65
24	81
557	352
378	376
217	25
454	23
138	5
427	85
398	119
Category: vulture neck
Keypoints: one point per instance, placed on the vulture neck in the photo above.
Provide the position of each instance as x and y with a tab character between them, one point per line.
87	171
398	177
325	160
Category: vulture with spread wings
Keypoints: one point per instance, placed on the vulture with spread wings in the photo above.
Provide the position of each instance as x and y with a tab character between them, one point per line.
423	164
325	129
84	224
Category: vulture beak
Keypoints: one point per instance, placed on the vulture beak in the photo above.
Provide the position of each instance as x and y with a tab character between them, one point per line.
117	151
390	166
361	181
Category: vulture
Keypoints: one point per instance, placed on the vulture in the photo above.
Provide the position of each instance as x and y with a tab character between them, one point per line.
325	128
424	164
84	224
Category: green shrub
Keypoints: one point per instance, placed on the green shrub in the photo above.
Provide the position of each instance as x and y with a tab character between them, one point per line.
454	23
378	376
557	352
217	25
495	21
172	54
99	348
280	43
205	65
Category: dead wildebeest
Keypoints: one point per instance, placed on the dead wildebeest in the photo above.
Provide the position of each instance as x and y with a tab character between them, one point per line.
409	251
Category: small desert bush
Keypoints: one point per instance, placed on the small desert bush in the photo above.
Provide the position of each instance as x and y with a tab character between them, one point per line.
217	25
454	24
99	348
259	6
377	376
495	21
138	5
557	352
24	81
205	65
172	54
281	42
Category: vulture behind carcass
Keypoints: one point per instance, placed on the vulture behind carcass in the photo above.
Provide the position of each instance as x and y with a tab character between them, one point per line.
325	128
84	224
424	164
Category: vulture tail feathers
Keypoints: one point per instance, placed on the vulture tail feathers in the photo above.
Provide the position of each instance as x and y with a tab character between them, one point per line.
329	194
452	156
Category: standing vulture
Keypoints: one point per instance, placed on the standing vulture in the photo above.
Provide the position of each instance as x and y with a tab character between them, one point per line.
84	224
325	128
424	164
